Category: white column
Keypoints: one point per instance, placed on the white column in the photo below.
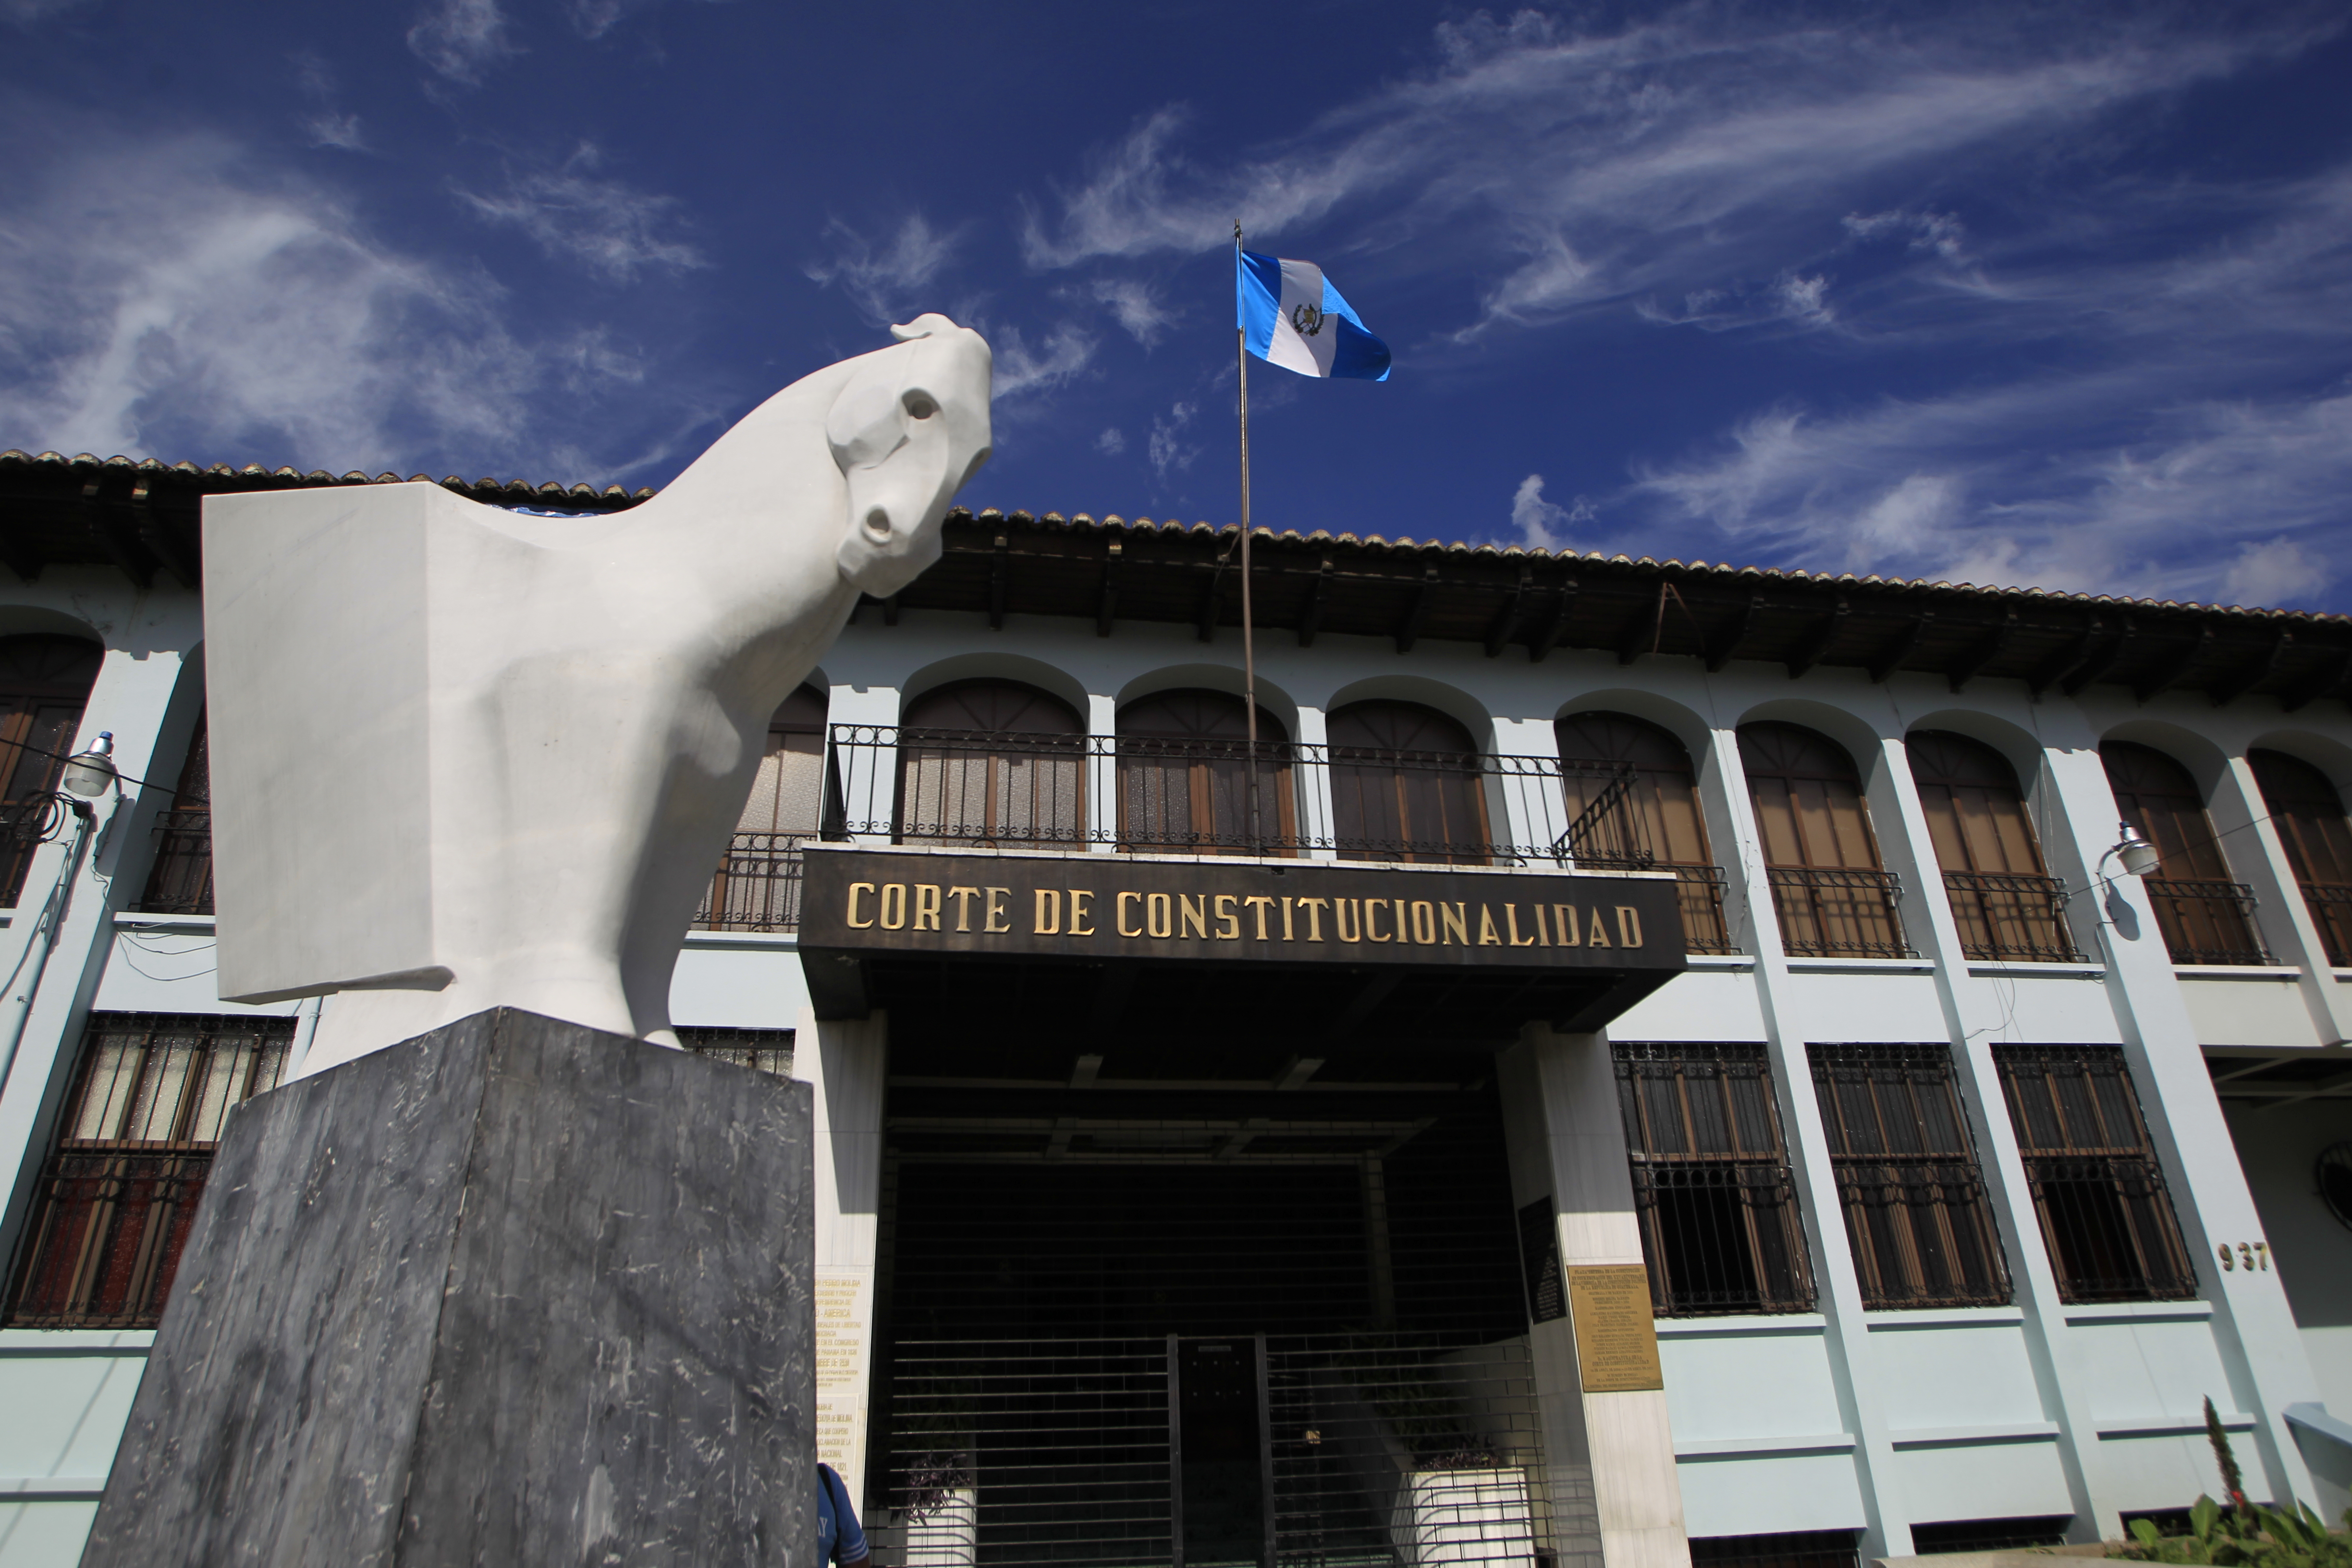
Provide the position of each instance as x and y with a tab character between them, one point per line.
1102	774
1616	1499
867	773
2253	1325
1886	1531
1314	784
133	697
2260	861
1534	812
1973	1014
846	1063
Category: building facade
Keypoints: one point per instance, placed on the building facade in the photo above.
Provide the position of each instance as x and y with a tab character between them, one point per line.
1944	1167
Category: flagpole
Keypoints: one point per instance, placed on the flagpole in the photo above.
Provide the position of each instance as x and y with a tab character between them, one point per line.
1249	649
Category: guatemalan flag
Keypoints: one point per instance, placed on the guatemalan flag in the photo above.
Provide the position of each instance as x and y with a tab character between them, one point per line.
1291	316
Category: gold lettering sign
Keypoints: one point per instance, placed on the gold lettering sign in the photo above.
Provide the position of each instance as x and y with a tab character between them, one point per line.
1103	907
1616	1336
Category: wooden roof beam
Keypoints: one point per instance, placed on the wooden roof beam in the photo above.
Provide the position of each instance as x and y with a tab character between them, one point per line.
1725	643
2325	676
1107	595
2169	670
173	546
1809	652
1985	649
1556	627
1416	611
1898	648
2064	662
2252	673
1213	601
1506	619
2099	659
1319	594
1642	634
1000	581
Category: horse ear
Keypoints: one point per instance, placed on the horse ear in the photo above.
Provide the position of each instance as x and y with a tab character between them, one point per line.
930	324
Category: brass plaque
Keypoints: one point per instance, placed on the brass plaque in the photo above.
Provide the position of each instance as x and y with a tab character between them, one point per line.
1616	1337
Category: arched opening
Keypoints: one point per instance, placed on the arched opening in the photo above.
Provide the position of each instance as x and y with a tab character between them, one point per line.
2005	902
2206	917
1406	785
180	880
1665	800
2307	813
758	887
44	681
1189	785
1831	895
992	764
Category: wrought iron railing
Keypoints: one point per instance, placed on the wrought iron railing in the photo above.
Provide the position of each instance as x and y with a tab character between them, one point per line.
2331	911
1700	890
2205	921
2006	916
107	1230
1226	797
758	887
1837	913
181	883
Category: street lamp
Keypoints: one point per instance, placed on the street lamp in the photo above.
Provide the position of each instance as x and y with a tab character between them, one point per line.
2137	855
92	773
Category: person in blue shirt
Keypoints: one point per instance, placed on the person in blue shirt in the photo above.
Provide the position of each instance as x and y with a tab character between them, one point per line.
838	1538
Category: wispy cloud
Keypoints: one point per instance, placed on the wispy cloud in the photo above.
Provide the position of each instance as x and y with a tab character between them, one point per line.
608	227
1111	442
463	39
1022	368
1169	451
885	281
1135	305
323	122
171	298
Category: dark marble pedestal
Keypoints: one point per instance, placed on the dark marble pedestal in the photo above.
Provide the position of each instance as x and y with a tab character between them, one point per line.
513	1292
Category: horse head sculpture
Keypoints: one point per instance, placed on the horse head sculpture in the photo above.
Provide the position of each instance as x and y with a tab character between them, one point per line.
466	758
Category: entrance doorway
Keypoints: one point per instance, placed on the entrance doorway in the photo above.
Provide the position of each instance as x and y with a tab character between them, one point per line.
1205	1324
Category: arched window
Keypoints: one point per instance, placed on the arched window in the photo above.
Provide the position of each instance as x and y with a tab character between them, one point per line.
990	762
1829	889
1665	797
44	681
759	885
2205	916
180	880
1406	785
1184	777
2308	814
2007	904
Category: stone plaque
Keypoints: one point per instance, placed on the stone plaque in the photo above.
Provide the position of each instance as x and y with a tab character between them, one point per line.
1539	1257
1616	1336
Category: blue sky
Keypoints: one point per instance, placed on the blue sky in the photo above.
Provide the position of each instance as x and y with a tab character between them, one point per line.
2048	295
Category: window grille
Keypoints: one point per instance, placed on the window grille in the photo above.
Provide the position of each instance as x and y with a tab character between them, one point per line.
44	681
2098	1191
1831	894
180	880
989	764
119	1193
1186	773
1720	1230
1406	785
1990	1535
2308	814
2002	897
1662	797
768	1050
1792	1549
1907	1177
2205	917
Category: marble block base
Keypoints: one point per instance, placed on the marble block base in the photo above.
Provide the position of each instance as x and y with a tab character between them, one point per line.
515	1291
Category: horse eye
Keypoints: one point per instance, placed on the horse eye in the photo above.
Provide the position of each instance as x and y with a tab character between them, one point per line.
920	405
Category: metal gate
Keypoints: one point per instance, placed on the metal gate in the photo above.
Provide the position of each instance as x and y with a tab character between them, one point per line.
1203	1328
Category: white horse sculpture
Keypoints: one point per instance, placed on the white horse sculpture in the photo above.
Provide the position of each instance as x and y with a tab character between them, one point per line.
466	758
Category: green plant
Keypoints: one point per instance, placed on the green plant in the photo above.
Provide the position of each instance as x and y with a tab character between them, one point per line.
2253	1535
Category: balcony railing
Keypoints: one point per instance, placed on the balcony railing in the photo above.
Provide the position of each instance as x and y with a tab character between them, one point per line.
2205	921
2005	916
1837	913
1701	890
181	880
1224	797
758	887
2331	911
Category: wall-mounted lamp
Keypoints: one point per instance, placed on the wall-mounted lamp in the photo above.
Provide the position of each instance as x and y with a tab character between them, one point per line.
2137	855
92	773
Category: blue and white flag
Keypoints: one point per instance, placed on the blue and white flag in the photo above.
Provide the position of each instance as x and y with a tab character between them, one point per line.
1291	316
